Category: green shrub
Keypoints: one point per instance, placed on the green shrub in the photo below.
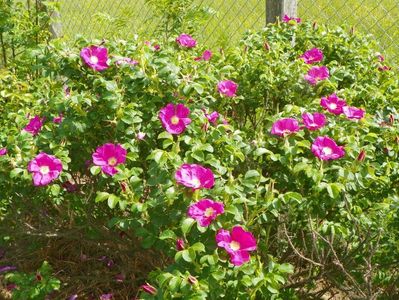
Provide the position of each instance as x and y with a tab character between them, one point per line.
318	224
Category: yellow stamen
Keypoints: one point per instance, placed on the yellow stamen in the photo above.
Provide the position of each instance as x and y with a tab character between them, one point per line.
93	59
44	170
175	120
112	161
235	246
209	212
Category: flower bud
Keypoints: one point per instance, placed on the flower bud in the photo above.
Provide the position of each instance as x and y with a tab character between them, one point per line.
149	289
361	155
192	280
391	119
179	245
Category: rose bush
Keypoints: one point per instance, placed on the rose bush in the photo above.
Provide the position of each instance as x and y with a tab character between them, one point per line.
251	181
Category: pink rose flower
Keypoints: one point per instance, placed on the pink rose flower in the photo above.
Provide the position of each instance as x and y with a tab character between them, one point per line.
67	91
35	125
44	168
95	57
206	55
185	40
313	55
238	244
58	119
384	68
227	88
3	151
108	156
149	289
213	117
352	112
174	118
205	211
325	148
313	121
195	176
140	135
333	104
316	74
284	127
287	19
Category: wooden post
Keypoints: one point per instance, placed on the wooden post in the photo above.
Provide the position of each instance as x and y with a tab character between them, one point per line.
56	25
279	8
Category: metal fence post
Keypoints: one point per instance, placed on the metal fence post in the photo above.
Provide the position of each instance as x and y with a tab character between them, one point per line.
279	8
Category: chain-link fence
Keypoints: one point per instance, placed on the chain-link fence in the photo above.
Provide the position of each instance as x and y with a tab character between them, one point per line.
228	19
378	17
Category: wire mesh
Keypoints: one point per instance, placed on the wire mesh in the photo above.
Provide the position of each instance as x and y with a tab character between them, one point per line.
377	17
123	18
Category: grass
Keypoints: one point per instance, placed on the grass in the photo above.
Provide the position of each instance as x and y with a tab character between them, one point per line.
104	18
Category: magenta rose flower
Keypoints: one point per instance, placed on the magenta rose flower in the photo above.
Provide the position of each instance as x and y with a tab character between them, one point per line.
325	148
287	19
186	40
227	88
352	112
384	68
313	121
205	211
3	151
316	74
212	117
174	118
206	55
284	127
44	168
58	119
313	55
333	104
108	156
149	289
35	125
238	244
95	57
195	176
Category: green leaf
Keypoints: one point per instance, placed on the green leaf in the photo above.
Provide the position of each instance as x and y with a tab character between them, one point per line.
95	170
167	234
101	196
112	201
186	225
165	135
198	88
55	189
188	255
198	247
251	173
286	268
